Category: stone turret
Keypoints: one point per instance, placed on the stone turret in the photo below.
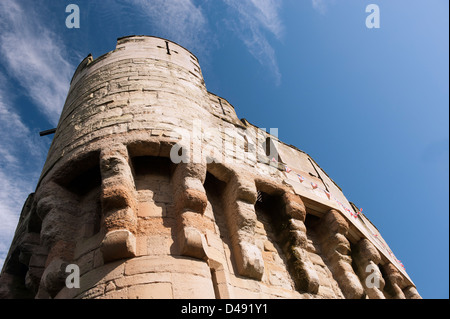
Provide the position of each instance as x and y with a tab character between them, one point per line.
154	188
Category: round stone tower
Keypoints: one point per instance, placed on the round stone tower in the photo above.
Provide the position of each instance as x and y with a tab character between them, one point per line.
154	188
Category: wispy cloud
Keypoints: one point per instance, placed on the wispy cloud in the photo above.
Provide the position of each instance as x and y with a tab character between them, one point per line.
186	23
21	157
35	57
322	6
267	13
255	21
319	5
178	20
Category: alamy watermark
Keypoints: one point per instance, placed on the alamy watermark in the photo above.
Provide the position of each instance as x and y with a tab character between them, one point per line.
73	279
373	279
73	19
223	145
373	19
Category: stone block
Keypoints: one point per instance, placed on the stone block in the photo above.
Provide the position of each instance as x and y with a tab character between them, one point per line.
268	246
304	274
277	278
141	279
294	206
192	243
366	252
246	294
141	245
171	264
151	209
86	262
326	292
158	290
163	197
188	286
37	260
411	293
159	245
102	275
118	244
316	259
249	260
115	294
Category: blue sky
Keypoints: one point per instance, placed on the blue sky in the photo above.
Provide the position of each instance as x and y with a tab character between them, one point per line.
371	106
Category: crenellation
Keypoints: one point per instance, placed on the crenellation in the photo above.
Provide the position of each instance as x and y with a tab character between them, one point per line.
366	257
394	282
332	231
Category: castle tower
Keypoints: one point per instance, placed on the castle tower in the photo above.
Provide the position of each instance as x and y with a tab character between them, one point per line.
154	188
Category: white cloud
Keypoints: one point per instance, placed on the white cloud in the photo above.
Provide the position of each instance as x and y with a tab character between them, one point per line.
21	156
34	56
319	5
322	5
178	20
187	24
256	18
267	14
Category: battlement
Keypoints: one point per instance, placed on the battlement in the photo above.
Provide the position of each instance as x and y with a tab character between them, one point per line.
144	47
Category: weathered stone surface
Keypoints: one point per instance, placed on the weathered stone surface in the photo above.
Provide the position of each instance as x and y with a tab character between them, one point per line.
118	244
54	276
394	281
305	274
229	221
367	258
157	290
336	247
411	293
294	207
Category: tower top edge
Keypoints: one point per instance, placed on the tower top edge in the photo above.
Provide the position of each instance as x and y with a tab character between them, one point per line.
123	41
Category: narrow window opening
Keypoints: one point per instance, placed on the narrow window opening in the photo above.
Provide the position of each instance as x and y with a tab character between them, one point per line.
271	150
223	110
259	199
272	236
245	144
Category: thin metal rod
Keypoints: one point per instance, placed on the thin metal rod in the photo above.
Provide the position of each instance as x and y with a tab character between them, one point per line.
318	174
48	132
223	110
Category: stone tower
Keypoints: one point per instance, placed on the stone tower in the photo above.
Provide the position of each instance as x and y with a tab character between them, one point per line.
154	188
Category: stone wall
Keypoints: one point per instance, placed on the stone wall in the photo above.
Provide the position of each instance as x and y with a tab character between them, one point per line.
226	222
